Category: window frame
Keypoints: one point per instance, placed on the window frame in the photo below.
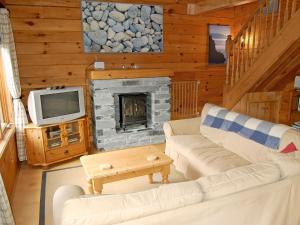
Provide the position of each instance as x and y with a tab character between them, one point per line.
6	107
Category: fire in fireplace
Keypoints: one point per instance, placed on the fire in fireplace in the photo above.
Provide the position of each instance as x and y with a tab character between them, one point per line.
133	109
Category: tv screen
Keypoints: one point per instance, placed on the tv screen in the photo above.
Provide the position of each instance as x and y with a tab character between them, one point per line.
60	104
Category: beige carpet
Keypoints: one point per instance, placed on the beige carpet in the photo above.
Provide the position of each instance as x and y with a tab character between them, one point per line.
52	179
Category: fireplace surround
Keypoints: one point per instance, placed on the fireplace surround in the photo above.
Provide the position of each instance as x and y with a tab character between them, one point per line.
139	122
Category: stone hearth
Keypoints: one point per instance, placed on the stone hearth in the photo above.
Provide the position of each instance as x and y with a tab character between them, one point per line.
105	110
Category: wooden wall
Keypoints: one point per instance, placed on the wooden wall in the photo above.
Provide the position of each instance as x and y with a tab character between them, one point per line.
8	162
49	45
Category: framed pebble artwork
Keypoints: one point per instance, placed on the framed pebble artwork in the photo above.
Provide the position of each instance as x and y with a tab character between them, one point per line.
121	28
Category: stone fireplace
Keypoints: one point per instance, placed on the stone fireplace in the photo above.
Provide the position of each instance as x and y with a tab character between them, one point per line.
129	112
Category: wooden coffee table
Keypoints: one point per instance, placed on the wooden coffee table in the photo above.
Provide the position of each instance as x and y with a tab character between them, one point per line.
126	164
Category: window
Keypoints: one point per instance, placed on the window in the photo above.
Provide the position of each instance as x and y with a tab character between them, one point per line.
5	101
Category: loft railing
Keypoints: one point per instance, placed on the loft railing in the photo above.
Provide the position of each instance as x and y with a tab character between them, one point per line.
184	99
256	35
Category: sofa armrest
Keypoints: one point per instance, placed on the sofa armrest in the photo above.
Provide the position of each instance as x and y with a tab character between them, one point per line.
61	195
182	127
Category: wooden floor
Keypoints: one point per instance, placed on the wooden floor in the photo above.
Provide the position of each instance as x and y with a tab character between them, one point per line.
26	200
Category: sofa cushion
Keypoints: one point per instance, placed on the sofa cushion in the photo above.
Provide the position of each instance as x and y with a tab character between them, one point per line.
208	157
239	179
247	149
182	127
114	209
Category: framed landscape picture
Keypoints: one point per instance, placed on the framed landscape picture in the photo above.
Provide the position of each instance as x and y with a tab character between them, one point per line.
217	43
111	27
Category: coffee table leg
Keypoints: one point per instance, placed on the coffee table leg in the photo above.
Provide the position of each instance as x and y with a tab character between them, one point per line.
165	174
150	176
97	186
90	186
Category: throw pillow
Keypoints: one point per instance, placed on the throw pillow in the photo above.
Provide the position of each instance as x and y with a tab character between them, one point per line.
289	148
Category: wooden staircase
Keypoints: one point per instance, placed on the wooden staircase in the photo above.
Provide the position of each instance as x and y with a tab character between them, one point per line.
266	50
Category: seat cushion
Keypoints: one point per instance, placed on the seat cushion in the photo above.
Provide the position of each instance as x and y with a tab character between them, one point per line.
208	157
239	179
248	149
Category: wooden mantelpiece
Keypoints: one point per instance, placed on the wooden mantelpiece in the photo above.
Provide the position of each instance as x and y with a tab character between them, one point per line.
128	73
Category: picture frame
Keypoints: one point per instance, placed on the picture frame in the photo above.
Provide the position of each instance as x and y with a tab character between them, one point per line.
217	36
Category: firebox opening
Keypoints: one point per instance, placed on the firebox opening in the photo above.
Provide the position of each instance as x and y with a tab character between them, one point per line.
133	110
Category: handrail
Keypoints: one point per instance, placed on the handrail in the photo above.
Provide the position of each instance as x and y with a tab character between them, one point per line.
256	35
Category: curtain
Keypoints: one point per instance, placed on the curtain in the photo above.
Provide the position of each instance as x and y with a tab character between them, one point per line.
12	77
6	217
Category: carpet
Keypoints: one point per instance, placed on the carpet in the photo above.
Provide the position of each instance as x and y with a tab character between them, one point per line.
52	179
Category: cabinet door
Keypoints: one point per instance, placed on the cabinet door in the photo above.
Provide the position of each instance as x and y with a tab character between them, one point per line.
73	132
262	105
53	137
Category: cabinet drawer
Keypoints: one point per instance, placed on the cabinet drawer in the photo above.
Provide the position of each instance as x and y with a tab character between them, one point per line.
65	152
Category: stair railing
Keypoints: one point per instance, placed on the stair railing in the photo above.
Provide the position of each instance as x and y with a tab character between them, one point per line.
256	35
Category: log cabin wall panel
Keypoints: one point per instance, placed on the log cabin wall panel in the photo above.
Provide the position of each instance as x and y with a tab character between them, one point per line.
49	46
242	14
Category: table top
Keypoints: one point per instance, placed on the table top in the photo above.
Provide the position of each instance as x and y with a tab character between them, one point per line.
123	161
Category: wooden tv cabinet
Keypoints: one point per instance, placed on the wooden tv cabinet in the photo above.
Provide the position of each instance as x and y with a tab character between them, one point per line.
50	144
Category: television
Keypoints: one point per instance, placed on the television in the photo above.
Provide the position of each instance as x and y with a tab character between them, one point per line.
56	106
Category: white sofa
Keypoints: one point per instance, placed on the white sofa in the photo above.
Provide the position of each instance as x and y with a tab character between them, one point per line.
199	150
253	194
236	185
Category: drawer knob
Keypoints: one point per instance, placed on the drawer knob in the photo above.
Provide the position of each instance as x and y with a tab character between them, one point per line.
66	152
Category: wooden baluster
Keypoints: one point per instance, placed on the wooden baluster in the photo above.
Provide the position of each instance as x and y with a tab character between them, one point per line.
181	99
253	40
266	25
243	54
185	100
233	65
272	20
294	7
245	50
228	53
259	29
176	99
238	65
173	97
248	46
286	13
194	97
278	27
197	94
175	87
172	100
